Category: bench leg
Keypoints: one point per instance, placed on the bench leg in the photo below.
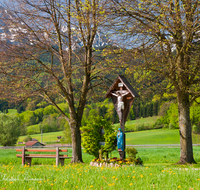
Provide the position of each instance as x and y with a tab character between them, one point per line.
62	161
23	156
28	160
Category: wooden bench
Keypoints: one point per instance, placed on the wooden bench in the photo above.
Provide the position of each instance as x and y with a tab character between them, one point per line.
28	157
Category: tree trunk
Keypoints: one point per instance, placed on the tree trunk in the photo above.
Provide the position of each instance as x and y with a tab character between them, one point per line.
76	142
185	129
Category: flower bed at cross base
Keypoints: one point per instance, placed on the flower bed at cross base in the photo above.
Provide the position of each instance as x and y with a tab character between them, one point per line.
116	162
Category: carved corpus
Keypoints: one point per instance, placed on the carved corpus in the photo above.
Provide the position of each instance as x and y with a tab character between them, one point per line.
122	95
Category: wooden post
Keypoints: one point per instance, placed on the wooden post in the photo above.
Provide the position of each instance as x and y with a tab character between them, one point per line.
62	160
123	129
23	156
28	160
57	156
124	145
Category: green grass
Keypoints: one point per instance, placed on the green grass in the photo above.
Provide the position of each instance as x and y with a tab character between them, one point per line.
12	111
131	125
147	120
158	172
157	136
46	137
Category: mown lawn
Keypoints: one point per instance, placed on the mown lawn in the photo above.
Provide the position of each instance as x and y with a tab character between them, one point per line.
159	172
131	125
46	137
158	136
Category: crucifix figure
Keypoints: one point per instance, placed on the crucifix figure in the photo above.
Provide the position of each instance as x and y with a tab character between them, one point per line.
122	95
120	104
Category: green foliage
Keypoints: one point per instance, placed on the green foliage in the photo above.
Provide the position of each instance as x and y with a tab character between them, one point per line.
158	124
142	127
171	126
49	110
91	135
67	134
172	114
52	123
104	109
131	152
27	138
131	115
28	118
196	128
195	113
3	106
9	129
33	129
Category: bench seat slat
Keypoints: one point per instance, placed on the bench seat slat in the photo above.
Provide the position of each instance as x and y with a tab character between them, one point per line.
40	150
42	156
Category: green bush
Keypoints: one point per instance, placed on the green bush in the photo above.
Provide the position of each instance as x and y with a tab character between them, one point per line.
9	129
67	134
196	128
33	129
92	135
171	126
28	118
131	152
52	123
27	138
140	127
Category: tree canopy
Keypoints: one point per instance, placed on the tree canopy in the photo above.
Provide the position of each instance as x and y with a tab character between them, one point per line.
163	36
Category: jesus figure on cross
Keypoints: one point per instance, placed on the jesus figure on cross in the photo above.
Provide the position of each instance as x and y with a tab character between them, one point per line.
120	104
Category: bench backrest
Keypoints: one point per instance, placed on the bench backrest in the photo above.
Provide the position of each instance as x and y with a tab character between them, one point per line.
24	150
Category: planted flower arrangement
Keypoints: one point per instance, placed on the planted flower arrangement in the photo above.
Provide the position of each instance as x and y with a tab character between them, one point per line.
115	162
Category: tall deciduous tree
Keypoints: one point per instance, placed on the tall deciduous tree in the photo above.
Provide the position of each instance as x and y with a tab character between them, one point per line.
49	52
165	36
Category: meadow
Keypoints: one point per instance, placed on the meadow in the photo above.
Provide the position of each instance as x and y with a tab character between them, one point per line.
159	171
155	136
132	125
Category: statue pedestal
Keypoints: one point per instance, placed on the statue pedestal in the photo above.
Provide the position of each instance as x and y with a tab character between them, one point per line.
121	154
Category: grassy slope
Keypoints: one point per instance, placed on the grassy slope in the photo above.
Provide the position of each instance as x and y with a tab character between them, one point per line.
134	123
12	111
159	136
46	137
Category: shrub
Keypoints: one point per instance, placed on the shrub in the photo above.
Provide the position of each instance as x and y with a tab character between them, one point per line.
27	138
33	129
140	127
52	123
67	134
171	126
9	129
131	153
97	130
196	128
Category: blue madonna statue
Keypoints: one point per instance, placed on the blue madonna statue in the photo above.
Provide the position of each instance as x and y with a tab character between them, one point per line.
120	142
